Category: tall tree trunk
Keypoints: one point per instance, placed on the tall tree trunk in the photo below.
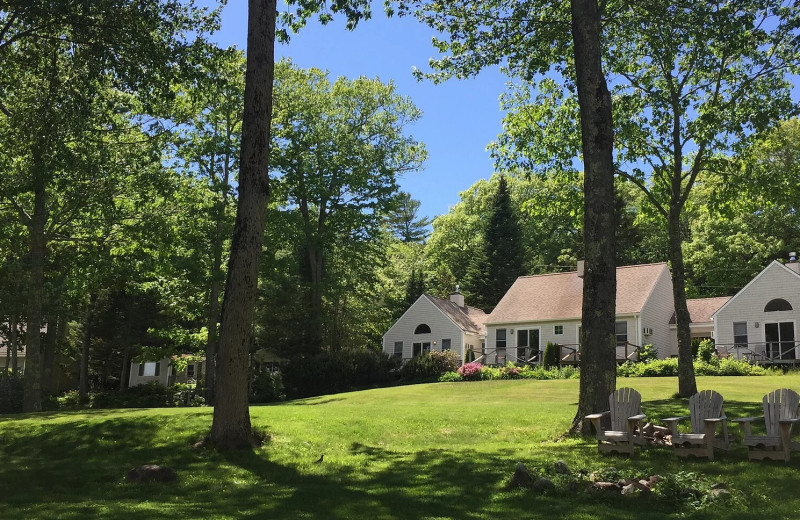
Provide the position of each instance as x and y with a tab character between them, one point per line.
598	341
124	376
14	345
316	274
49	355
32	397
212	341
83	377
687	384
231	424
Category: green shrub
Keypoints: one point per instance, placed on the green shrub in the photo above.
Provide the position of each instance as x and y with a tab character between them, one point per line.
267	387
716	367
450	377
647	353
69	400
11	390
705	350
552	355
329	373
430	366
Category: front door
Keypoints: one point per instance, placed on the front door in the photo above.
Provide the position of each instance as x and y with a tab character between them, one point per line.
780	340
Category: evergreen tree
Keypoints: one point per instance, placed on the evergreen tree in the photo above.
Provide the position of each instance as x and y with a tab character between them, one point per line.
414	288
406	224
500	260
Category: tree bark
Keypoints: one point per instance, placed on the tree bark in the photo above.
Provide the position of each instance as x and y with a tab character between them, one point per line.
32	397
687	384
598	340
11	351
83	377
49	355
231	428
212	342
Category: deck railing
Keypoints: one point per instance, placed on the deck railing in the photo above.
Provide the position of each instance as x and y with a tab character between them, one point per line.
571	353
762	352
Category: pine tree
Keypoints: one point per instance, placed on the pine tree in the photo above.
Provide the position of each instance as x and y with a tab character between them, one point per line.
500	260
407	226
414	288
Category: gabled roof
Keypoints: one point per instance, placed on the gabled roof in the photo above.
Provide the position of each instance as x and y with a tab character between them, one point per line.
559	296
771	265
701	310
468	319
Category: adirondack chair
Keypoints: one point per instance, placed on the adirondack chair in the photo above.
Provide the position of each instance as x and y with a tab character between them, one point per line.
780	415
705	412
625	414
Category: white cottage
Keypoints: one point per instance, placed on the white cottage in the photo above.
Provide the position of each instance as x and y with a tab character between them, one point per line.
760	321
547	308
435	324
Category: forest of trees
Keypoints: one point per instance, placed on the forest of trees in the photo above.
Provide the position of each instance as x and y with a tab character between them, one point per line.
120	174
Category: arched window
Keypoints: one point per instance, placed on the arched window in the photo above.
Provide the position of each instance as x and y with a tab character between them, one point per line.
422	329
778	304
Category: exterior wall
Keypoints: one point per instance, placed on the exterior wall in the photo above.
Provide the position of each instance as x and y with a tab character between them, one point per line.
546	334
423	311
473	340
162	377
569	338
167	375
656	313
748	306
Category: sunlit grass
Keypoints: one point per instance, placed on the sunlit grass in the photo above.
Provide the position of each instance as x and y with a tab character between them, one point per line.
424	451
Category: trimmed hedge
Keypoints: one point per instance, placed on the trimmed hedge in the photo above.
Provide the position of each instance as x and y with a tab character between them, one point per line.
716	367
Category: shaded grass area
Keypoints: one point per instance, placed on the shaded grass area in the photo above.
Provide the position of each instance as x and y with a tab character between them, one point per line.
423	451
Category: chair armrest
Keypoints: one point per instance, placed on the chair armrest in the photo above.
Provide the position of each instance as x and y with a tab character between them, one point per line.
594	416
789	421
639	417
675	419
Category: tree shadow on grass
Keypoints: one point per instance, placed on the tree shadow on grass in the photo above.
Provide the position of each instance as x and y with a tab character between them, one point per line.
76	471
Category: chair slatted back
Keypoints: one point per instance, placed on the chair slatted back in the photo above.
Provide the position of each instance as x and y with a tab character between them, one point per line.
780	404
624	403
704	405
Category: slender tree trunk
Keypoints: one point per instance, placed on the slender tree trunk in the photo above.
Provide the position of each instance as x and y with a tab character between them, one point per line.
49	355
598	342
316	273
687	384
83	377
32	397
124	376
212	341
14	346
231	424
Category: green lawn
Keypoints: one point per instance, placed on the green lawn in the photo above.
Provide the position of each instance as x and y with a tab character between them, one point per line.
427	451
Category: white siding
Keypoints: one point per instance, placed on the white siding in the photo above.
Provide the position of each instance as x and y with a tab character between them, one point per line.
424	311
546	334
748	306
656	313
162	377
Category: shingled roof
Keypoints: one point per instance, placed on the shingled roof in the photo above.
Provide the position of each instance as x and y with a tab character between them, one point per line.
559	296
469	319
701	310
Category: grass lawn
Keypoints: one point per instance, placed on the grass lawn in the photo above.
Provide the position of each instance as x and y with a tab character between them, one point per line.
433	451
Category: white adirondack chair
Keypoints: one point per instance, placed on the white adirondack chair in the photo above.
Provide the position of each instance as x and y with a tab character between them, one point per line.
780	415
625	413
705	412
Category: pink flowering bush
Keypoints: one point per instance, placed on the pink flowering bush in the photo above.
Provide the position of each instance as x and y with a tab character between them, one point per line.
470	371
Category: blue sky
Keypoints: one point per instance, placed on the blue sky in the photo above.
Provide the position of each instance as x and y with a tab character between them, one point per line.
460	117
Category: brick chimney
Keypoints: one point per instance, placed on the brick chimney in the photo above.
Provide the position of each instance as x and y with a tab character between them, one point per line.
457	298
